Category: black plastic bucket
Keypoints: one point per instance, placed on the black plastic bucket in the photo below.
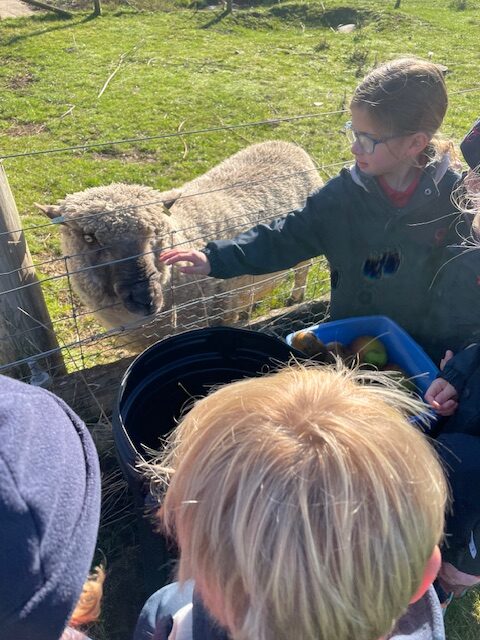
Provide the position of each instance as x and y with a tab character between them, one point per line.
162	383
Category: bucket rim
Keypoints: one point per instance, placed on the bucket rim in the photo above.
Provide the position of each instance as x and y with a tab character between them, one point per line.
181	336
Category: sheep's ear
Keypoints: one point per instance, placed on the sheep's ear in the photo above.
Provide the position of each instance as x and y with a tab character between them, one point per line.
52	211
169	199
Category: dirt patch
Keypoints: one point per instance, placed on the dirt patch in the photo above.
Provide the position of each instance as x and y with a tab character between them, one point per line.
20	81
25	129
14	9
127	156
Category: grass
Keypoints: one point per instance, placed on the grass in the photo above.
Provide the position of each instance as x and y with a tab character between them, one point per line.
187	69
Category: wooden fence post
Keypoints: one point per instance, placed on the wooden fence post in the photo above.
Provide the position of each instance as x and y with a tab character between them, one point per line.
25	326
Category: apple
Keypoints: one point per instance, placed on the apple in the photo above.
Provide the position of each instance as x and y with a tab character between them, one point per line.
311	346
370	350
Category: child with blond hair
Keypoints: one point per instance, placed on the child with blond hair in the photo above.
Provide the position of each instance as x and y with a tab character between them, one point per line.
305	505
87	609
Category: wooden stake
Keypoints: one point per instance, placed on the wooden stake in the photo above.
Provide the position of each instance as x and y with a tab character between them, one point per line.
25	328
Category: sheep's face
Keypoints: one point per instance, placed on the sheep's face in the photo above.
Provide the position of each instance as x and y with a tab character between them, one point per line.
123	265
112	258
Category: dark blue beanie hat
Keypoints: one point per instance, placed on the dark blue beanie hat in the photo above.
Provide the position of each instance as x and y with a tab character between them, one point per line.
470	146
49	511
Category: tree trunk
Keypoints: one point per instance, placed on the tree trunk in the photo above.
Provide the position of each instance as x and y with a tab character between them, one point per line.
97	8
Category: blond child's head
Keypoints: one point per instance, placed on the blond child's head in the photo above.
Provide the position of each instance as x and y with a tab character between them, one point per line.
304	504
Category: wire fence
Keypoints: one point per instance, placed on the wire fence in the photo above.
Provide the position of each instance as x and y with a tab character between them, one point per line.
96	331
195	132
92	332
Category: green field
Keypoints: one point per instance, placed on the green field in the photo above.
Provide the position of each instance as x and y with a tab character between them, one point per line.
185	87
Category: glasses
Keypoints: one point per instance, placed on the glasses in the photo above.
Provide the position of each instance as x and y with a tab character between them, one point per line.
366	142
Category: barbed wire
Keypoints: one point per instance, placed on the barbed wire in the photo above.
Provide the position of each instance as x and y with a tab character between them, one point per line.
160	201
152	323
152	329
278	325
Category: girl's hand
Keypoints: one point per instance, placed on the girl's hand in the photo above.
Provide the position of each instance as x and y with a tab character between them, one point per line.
199	261
442	396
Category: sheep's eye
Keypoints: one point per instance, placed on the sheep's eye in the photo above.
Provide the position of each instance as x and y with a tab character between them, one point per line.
89	238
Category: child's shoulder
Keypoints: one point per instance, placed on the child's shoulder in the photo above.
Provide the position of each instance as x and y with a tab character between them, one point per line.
443	172
334	193
423	620
348	180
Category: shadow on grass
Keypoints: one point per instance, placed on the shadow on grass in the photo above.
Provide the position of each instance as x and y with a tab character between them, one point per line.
312	15
67	23
216	19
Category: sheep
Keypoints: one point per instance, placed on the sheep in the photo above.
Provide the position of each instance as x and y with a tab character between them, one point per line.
112	236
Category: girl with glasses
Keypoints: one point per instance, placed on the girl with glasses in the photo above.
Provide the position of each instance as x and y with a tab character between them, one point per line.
383	223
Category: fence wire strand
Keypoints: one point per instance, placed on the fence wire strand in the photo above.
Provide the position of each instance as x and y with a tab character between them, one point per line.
179	134
161	201
173	134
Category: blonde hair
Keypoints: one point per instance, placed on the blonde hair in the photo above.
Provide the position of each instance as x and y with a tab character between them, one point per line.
307	500
466	198
405	96
88	607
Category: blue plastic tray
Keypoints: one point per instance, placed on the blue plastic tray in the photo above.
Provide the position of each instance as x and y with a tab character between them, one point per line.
401	348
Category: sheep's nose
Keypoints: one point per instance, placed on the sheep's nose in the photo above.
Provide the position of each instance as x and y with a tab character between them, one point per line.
138	298
142	301
150	307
